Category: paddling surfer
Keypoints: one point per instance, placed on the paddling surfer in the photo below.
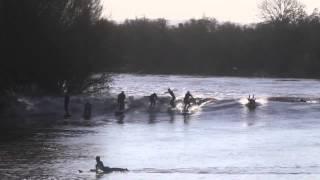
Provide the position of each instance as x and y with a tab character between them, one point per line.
106	169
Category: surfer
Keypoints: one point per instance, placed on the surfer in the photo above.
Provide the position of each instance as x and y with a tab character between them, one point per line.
87	111
187	100
173	98
66	104
121	98
303	100
252	101
153	98
106	169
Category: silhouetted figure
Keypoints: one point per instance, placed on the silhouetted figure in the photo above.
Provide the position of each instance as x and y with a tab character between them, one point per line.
87	111
106	169
121	99
66	104
187	101
303	100
173	98
153	98
251	99
252	102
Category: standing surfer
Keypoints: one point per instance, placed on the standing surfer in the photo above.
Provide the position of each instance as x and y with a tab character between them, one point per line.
121	99
153	98
173	98
187	100
87	111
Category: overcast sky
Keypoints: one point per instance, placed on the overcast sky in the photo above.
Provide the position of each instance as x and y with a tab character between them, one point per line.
240	11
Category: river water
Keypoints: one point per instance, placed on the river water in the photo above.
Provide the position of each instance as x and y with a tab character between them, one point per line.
219	139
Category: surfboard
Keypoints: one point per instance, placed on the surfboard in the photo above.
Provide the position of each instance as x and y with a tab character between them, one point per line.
186	112
109	171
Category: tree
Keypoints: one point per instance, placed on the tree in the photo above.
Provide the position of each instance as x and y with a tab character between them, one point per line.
47	43
315	16
282	11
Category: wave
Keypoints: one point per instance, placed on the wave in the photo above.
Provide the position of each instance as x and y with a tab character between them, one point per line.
288	80
294	99
54	107
50	109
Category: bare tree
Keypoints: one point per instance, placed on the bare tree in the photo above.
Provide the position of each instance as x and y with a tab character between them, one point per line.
282	11
315	16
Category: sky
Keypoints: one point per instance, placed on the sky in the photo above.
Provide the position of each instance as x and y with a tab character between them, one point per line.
239	11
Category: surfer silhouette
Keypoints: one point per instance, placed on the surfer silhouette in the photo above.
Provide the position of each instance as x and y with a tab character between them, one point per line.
153	98
187	101
251	99
106	169
87	111
121	99
173	98
252	102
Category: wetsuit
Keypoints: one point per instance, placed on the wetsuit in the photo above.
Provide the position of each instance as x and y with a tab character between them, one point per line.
251	100
187	100
121	98
107	169
173	98
153	99
87	111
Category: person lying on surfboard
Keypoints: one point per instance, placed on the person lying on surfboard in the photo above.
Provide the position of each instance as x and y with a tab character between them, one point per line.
106	169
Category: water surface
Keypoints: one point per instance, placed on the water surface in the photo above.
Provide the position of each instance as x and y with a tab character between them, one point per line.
220	139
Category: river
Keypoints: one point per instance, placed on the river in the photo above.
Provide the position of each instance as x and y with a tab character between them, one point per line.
219	139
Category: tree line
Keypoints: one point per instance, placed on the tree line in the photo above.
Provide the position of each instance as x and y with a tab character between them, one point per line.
285	44
50	45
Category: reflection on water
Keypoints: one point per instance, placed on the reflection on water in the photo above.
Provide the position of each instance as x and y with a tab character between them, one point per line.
120	119
251	117
186	118
152	116
171	115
